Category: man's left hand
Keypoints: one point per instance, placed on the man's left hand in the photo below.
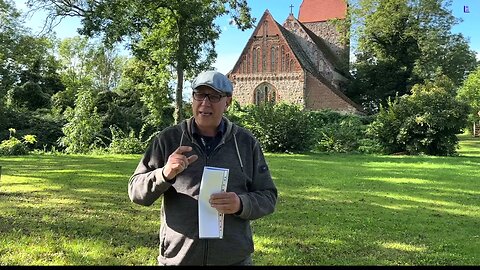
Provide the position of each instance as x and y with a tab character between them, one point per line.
225	202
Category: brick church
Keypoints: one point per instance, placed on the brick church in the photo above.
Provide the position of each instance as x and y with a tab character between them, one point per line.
304	61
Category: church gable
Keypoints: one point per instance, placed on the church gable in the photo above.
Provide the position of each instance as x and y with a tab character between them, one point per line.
267	50
280	64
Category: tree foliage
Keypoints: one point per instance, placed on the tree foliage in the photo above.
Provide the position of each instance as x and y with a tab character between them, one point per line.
173	41
84	124
402	43
470	93
425	122
25	61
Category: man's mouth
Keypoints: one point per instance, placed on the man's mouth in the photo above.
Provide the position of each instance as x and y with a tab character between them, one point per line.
205	113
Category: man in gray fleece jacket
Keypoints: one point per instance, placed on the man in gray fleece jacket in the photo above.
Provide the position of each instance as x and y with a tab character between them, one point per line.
173	164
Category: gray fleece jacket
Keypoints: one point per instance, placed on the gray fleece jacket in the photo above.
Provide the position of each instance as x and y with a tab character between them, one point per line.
249	177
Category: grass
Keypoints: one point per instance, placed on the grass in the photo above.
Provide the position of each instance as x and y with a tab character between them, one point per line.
333	209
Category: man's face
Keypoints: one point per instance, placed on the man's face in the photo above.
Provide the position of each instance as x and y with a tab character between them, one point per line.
208	114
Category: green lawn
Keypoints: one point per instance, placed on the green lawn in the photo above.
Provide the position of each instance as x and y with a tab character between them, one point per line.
333	209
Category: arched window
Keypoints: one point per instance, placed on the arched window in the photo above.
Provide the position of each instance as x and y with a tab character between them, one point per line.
258	60
244	64
273	96
264	93
254	60
259	96
273	59
265	28
291	67
287	62
282	55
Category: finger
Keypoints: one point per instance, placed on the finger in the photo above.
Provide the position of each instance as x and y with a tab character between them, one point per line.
225	209
191	159
182	149
221	195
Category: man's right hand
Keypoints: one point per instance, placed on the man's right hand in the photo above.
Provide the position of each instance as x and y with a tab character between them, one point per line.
177	162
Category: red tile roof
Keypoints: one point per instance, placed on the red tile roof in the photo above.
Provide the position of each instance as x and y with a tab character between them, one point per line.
321	10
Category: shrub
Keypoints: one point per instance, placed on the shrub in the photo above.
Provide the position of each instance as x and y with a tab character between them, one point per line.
336	132
14	146
425	122
279	128
125	144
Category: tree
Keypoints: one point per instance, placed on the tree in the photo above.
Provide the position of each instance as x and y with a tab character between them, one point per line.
470	93
24	58
29	95
10	32
84	124
141	90
28	73
86	65
174	41
402	43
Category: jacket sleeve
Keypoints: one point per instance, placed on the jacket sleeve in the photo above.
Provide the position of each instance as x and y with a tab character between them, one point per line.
262	196
147	184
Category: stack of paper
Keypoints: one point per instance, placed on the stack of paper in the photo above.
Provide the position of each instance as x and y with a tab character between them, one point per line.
210	221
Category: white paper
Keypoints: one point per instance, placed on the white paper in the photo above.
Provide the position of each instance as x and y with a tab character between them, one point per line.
210	221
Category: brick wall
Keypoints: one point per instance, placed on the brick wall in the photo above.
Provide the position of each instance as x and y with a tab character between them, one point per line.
319	97
328	31
288	87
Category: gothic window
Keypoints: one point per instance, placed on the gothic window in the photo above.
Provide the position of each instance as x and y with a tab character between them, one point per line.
287	62
264	60
257	65
244	62
265	28
248	63
272	96
254	61
259	96
273	58
291	65
282	54
264	93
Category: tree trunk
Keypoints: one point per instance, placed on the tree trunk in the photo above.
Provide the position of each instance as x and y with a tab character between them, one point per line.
178	114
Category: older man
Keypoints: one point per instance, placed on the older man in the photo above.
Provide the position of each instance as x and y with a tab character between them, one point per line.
173	164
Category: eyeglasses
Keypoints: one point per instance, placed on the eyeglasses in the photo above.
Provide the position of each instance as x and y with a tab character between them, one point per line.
214	98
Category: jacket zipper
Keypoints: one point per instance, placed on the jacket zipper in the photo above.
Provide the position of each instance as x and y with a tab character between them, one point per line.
207	157
205	254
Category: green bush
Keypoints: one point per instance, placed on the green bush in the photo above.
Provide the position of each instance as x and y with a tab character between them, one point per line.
340	133
286	128
279	128
425	122
12	147
335	132
125	144
46	127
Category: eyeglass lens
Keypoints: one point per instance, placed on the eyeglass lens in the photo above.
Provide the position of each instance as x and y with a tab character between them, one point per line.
211	97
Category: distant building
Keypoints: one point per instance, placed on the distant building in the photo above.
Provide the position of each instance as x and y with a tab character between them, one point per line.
304	61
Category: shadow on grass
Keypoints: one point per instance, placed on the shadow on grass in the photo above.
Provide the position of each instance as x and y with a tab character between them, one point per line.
332	210
372	210
73	198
